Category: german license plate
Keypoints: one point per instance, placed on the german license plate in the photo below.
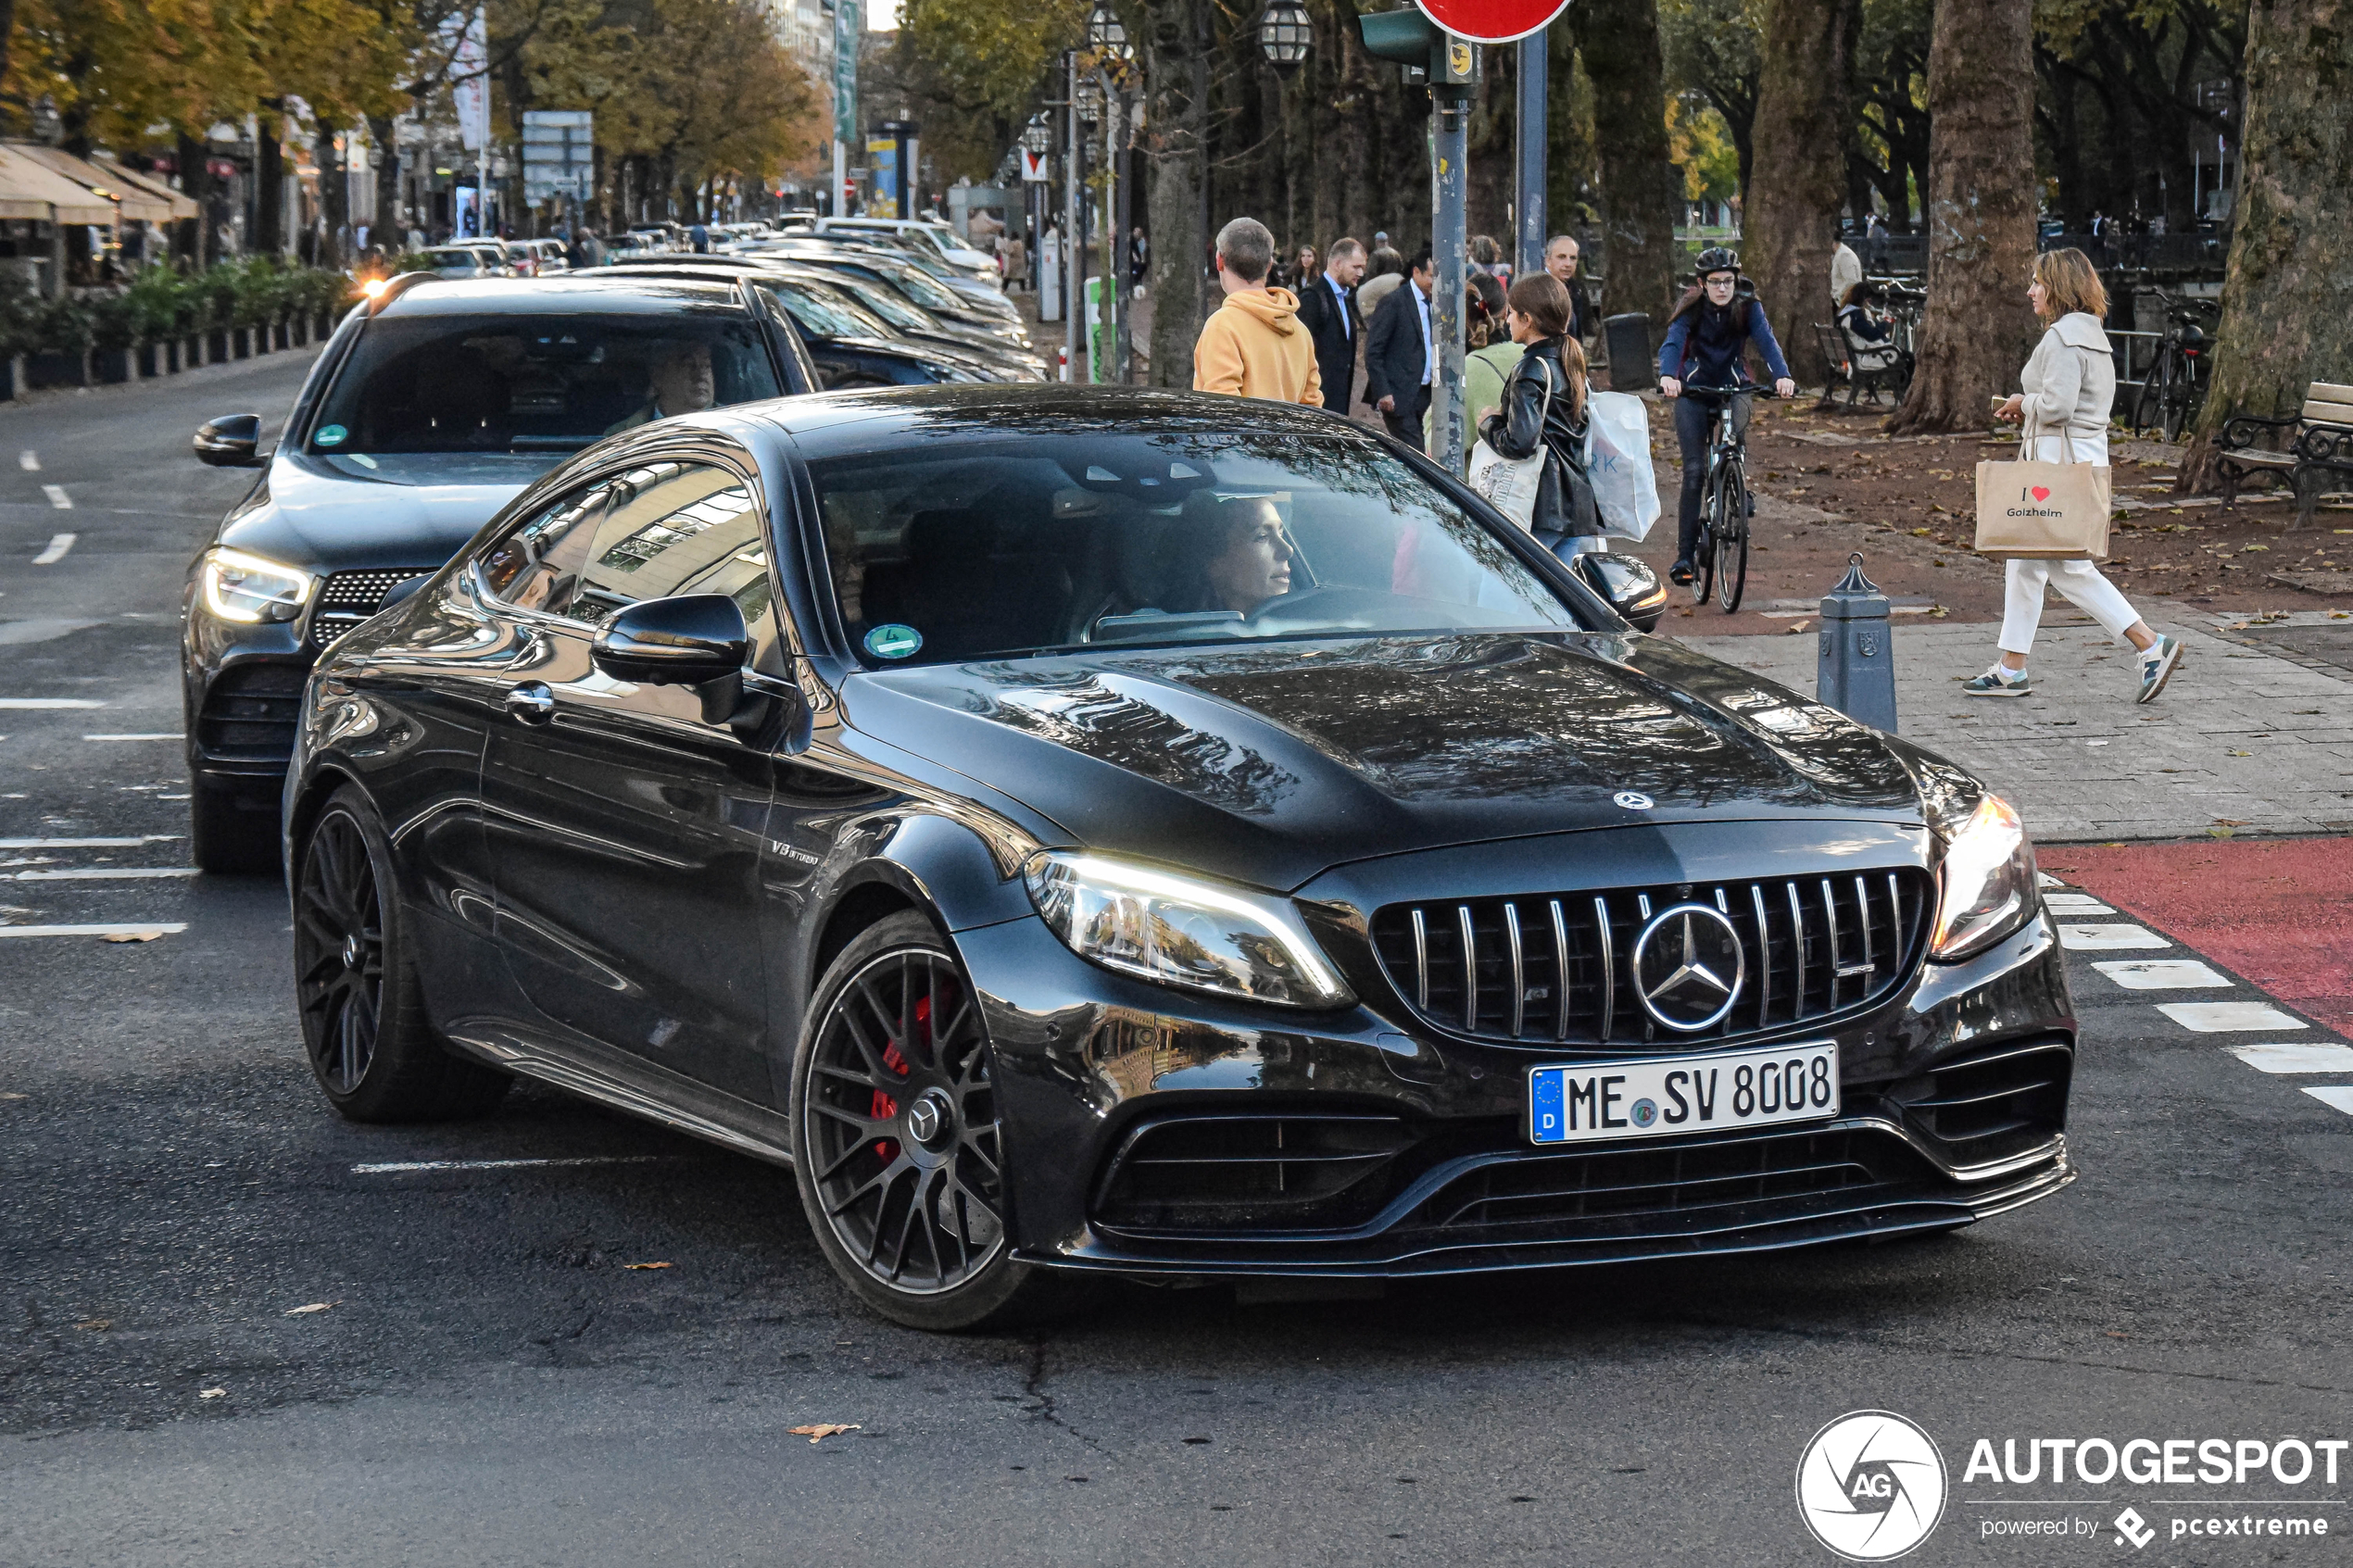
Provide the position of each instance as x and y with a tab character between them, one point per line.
1601	1102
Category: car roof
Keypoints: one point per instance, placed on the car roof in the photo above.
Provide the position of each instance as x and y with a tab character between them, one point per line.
867	421
570	293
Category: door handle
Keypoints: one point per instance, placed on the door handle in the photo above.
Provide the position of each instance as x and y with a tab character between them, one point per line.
531	703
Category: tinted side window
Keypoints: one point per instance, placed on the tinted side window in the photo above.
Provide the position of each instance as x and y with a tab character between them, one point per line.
675	528
537	566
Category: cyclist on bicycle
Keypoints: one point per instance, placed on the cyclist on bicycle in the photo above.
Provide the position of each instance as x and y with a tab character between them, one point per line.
1712	325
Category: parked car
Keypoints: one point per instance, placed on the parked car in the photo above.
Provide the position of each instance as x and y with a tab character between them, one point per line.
940	239
1132	833
547	256
983	297
478	258
895	271
430	408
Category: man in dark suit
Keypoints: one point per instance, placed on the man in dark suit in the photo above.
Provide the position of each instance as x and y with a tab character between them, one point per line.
1401	354
1327	309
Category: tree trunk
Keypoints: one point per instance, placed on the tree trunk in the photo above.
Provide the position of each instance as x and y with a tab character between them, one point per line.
2283	323
1619	41
195	157
270	183
1802	103
334	198
384	228
1980	216
1175	145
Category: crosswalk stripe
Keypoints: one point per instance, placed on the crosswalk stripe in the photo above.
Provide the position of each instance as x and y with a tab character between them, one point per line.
2336	1096
2297	1057
2219	1018
2161	974
101	873
117	928
2106	939
2075	904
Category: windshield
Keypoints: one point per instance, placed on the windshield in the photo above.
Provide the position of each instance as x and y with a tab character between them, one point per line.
536	383
824	311
891	307
1024	545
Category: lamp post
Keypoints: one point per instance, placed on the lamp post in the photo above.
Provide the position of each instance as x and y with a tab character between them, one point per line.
1115	67
1074	233
1038	140
1286	36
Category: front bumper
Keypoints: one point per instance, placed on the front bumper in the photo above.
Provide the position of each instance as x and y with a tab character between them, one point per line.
1153	1132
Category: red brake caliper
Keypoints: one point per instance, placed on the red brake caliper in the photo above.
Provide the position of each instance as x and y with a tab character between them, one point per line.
884	1106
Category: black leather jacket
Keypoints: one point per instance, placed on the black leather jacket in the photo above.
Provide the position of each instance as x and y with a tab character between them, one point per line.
1565	501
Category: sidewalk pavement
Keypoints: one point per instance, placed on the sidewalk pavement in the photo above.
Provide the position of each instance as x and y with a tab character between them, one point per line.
2241	741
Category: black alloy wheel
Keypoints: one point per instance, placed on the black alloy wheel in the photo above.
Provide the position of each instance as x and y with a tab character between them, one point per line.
2181	395
898	1149
363	1016
1732	538
2149	406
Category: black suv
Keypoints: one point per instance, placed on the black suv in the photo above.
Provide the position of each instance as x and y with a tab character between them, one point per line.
433	406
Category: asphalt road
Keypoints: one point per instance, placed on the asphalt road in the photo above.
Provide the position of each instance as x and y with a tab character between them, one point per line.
492	1382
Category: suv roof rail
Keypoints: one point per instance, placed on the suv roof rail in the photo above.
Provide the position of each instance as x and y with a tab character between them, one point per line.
396	286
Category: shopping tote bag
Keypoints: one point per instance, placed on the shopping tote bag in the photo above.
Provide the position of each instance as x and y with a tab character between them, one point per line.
1511	484
1617	460
2043	511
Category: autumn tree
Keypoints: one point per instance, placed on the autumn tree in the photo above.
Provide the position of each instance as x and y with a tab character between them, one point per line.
1618	41
2285	324
1981	211
1803	118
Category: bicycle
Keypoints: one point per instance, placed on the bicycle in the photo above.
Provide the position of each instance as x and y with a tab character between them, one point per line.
2174	386
1720	563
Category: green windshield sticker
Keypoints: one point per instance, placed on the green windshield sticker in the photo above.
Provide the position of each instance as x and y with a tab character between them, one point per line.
893	641
331	436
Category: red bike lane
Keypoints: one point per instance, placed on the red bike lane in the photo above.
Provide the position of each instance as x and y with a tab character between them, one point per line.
2279	912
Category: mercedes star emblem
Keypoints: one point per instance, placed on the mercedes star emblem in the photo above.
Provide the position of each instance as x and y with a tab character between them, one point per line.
1688	967
1632	800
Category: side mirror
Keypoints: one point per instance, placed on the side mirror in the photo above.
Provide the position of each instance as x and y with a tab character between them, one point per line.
232	441
687	641
1628	583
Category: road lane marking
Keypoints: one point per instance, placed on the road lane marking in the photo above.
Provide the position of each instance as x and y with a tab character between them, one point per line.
89	843
2103	938
2338	1096
58	545
403	1167
2075	904
2291	1057
2161	974
102	873
29	461
47	702
2221	1018
57	497
117	928
156	735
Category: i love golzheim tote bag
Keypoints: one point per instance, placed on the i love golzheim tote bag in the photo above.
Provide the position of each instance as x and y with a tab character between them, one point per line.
2043	511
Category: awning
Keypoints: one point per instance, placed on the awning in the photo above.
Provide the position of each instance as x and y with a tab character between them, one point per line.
29	189
134	203
152	185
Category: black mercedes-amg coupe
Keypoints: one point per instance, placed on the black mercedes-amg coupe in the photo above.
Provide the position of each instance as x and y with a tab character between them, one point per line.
1156	834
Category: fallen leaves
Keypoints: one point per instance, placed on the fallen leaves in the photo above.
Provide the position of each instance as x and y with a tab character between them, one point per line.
95	1325
645	1265
149	934
1798	627
212	1393
820	1431
305	1311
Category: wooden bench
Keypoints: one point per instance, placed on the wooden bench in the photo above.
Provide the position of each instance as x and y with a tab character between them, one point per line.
1846	369
2302	450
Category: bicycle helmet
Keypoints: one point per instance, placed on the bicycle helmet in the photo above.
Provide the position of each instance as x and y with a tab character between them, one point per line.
1716	258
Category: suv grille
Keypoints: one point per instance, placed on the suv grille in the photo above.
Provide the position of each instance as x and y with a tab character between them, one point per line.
249	713
349	597
1555	968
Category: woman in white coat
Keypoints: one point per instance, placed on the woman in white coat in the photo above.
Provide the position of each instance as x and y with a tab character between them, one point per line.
2069	387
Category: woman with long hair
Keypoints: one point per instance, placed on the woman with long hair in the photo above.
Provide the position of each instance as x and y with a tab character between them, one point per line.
2069	386
1544	409
1706	336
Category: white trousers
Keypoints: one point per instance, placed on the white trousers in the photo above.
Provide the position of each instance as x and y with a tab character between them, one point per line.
2080	581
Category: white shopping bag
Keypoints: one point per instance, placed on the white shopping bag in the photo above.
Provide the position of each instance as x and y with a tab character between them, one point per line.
1617	460
1510	483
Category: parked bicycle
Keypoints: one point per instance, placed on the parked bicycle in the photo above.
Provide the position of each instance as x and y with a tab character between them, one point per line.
2174	386
1726	504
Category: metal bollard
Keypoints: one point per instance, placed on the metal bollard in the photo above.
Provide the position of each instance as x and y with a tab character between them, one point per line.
1855	672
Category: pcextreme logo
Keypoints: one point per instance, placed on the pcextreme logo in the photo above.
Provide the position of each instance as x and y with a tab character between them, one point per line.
1870	1486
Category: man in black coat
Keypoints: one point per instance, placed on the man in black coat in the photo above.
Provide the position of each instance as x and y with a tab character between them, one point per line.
1327	309
1401	353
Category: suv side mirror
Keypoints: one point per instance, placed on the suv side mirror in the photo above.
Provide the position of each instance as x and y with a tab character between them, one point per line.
687	641
1628	583
232	441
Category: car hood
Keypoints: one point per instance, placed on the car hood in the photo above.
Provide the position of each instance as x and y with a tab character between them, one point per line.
335	513
1269	765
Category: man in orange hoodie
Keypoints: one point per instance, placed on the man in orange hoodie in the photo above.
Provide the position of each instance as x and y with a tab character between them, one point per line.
1254	346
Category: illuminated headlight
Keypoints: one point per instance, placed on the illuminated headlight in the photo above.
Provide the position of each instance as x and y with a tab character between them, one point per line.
1985	887
1176	931
237	587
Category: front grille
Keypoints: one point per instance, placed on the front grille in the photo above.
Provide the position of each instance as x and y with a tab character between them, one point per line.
249	713
1251	1171
1993	1105
1552	1190
349	597
1555	968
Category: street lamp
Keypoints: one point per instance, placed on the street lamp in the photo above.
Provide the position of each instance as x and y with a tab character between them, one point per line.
1106	36
1089	99
1285	34
1037	136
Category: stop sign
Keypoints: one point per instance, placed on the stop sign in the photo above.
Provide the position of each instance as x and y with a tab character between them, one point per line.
1492	21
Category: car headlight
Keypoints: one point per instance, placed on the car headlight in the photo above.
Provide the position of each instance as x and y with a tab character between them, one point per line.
1178	931
1985	886
242	587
